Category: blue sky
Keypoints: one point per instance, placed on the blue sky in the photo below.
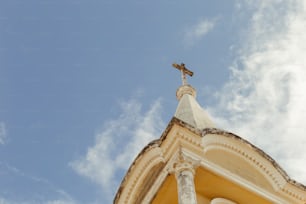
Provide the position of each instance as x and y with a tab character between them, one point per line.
84	85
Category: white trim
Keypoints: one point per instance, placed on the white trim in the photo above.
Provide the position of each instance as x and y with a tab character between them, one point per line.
238	180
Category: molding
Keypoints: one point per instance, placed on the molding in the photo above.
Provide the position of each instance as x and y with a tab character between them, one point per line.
156	185
136	174
184	161
269	172
193	143
170	169
242	182
256	157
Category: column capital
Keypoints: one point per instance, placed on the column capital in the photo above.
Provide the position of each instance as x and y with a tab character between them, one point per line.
184	169
180	166
184	162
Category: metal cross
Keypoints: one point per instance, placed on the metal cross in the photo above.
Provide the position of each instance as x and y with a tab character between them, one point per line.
184	71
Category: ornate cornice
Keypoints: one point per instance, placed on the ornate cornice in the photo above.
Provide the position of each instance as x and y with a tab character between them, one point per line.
270	173
154	144
195	138
132	177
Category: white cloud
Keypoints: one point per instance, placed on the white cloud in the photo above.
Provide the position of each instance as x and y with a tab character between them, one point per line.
198	31
3	201
3	133
65	198
61	197
264	101
118	144
60	202
64	201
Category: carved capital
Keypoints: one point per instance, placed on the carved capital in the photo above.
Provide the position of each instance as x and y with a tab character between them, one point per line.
183	166
184	169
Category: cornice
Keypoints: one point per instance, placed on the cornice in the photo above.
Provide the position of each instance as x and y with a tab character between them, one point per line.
129	183
252	159
156	144
179	135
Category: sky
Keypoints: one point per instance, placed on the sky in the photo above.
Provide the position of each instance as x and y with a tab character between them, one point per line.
85	85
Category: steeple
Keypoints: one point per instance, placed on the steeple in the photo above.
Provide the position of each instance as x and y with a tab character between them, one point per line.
193	162
188	109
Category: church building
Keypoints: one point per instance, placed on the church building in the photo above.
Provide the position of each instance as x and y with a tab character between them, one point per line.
193	162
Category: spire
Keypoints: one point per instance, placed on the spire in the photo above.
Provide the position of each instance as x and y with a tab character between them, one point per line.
188	109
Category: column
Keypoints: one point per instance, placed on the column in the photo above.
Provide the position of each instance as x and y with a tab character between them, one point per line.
222	201
184	173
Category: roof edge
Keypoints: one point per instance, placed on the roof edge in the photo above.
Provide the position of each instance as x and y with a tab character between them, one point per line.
203	133
207	131
152	144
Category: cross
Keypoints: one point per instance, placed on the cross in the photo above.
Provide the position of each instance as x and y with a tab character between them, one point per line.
184	71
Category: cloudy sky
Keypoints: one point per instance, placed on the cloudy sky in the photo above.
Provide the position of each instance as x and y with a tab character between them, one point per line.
84	85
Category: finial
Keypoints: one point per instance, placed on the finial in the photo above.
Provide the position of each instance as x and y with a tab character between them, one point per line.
184	71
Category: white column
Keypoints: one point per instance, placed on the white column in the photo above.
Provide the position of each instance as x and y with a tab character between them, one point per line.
184	173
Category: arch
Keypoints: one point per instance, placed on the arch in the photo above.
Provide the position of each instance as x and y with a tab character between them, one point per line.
141	174
243	159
